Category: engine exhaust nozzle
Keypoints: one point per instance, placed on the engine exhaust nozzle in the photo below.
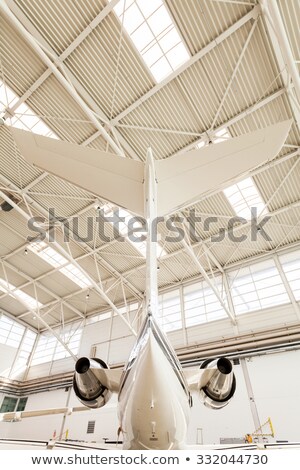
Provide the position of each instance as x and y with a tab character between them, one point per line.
82	365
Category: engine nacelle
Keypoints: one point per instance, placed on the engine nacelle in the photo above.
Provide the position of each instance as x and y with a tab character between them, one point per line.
87	385
221	386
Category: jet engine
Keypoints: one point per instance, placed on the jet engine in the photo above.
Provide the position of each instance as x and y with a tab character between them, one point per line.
221	385
87	383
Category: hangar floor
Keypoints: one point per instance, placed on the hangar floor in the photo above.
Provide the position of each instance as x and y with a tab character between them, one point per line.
9	444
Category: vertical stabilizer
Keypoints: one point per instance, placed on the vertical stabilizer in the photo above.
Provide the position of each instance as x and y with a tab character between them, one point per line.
150	210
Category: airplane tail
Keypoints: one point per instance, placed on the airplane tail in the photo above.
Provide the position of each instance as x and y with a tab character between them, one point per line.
182	179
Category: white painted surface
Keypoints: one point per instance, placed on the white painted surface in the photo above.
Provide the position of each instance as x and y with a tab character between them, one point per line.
276	387
115	349
37	428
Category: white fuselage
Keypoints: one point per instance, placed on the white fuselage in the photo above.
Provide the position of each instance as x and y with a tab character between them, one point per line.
153	400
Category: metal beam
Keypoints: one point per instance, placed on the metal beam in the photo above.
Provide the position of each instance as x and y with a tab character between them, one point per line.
14	318
281	210
192	254
238	117
235	2
71	260
37	314
159	129
197	244
235	70
42	287
90	251
71	77
282	51
287	285
60	77
253	14
203	244
253	407
279	186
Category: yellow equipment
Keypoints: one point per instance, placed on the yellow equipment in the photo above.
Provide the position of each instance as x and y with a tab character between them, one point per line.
259	431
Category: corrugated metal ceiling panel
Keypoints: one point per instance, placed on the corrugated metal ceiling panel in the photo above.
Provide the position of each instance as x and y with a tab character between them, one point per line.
200	22
20	65
60	22
12	165
60	112
115	76
188	103
290	11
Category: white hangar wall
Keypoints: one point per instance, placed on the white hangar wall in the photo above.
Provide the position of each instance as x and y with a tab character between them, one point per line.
115	349
276	388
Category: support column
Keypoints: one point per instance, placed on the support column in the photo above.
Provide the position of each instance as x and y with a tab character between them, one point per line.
61	432
253	407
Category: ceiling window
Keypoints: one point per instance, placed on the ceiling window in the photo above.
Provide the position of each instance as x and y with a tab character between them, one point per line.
201	144
256	287
71	335
169	311
7	97
23	118
49	348
201	304
130	308
290	263
219	136
23	355
55	259
243	197
154	34
48	254
24	298
11	332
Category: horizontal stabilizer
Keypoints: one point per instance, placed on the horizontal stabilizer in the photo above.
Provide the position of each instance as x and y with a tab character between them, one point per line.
116	179
182	179
186	177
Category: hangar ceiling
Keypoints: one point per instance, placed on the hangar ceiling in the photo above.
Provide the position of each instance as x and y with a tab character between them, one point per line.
73	66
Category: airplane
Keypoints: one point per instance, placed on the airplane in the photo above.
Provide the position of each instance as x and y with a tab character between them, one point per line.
154	391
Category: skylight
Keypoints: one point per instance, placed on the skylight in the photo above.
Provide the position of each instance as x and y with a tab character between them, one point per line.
51	256
154	34
7	96
243	197
219	136
24	298
24	117
141	246
77	276
169	311
48	254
